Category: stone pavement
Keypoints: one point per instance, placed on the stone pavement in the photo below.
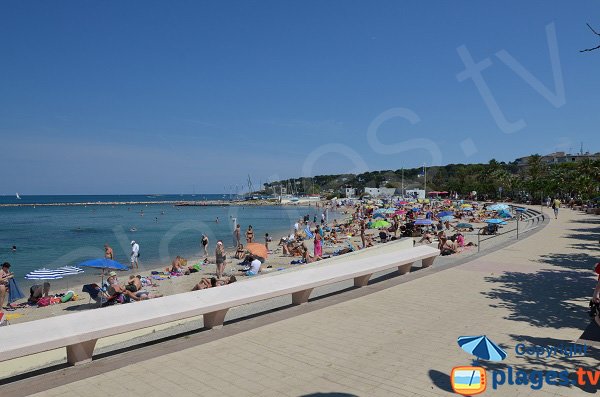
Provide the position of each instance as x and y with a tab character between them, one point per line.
396	341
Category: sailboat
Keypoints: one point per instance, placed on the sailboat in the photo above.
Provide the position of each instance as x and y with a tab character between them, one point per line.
18	197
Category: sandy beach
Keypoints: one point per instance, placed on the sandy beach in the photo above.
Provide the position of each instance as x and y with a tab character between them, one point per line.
165	284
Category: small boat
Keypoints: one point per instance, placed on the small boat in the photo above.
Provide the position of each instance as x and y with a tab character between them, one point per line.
133	229
18	197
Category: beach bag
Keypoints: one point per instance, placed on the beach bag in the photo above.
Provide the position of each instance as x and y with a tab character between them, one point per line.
44	301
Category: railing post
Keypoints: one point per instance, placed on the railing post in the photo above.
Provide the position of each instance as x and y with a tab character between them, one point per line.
518	215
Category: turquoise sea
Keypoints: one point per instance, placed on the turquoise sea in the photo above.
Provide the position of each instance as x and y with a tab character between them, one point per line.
54	236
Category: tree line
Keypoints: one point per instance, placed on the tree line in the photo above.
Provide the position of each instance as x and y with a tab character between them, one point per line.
495	180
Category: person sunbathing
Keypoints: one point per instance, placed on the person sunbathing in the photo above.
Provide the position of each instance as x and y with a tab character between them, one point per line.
213	282
308	258
176	266
427	238
449	247
37	291
293	249
239	253
334	237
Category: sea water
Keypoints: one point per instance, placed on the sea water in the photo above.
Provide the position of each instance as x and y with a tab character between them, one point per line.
54	236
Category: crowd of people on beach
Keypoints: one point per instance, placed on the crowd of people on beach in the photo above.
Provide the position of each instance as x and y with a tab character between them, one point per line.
358	224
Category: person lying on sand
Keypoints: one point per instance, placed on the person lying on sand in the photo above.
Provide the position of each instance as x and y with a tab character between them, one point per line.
213	282
131	291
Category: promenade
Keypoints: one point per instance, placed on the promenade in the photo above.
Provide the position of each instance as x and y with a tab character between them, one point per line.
399	340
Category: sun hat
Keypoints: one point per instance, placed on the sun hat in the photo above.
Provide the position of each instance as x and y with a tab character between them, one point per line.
112	274
132	242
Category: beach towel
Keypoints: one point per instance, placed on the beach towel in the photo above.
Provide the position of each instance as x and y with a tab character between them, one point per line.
14	292
13	316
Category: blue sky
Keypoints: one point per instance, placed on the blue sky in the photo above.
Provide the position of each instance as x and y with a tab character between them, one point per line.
157	97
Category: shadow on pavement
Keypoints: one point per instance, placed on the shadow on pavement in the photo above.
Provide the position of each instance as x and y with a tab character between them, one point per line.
544	299
559	362
583	262
332	394
441	380
591	335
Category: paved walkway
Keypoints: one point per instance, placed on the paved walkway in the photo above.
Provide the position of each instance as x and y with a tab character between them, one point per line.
397	341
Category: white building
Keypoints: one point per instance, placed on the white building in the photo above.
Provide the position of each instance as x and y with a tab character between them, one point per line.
380	192
350	192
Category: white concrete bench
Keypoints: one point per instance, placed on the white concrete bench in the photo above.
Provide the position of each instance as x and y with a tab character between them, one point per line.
78	332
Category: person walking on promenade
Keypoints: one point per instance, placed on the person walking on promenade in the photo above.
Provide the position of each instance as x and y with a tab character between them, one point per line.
220	259
249	235
555	207
204	242
135	253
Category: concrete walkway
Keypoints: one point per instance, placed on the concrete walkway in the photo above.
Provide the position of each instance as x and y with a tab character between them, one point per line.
396	341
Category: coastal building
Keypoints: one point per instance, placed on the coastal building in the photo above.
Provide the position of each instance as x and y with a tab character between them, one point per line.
349	192
560	158
380	191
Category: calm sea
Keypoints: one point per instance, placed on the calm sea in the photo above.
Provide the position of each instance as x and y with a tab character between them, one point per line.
55	236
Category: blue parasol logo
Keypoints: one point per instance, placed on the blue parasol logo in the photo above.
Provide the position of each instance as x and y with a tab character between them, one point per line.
482	348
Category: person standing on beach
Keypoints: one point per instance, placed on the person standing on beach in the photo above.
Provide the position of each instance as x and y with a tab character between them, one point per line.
318	244
135	253
362	233
108	252
5	275
220	259
204	242
237	235
249	235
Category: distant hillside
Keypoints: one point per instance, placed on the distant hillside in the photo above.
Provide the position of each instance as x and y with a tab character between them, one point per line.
533	178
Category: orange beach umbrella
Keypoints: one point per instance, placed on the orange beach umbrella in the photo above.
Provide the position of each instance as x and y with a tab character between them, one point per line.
257	249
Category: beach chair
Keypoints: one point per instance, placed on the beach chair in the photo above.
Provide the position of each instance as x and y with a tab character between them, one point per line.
98	295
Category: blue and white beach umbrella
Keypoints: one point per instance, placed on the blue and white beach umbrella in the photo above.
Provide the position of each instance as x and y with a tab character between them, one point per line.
45	274
481	347
70	270
496	221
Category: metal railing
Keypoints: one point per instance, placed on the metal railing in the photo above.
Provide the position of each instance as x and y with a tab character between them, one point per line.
532	219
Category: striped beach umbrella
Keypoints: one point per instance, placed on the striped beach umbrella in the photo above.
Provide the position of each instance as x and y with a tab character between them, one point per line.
45	274
70	270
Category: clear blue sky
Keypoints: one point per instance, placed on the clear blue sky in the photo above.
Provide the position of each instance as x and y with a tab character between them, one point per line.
159	96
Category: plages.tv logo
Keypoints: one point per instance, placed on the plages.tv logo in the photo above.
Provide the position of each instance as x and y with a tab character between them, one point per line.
471	380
